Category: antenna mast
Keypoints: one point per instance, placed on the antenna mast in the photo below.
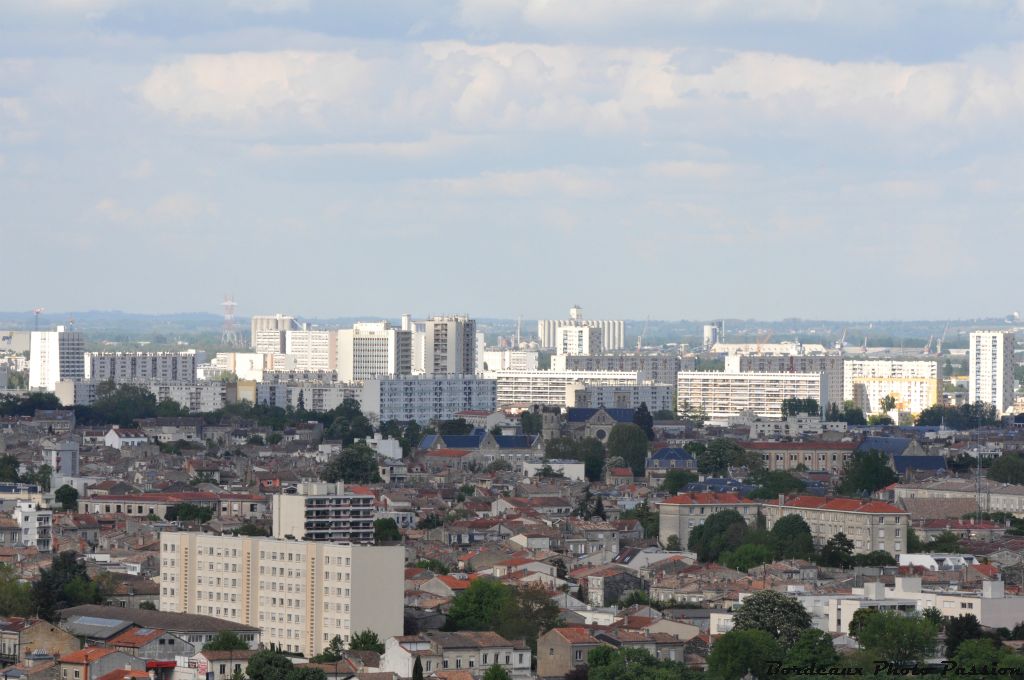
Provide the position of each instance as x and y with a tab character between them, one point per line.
229	335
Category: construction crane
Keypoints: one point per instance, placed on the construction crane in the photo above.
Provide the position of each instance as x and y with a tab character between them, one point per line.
841	344
763	339
640	338
37	311
942	339
928	345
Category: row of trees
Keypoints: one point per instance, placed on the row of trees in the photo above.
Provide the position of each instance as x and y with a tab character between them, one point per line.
514	613
65	583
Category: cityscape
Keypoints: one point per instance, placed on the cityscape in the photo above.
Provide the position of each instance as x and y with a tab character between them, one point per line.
510	340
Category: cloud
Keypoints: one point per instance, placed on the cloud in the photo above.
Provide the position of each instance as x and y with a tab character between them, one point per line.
433	145
462	88
573	182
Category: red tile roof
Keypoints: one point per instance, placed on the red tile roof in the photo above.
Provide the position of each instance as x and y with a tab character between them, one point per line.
840	505
136	637
708	498
577	636
87	655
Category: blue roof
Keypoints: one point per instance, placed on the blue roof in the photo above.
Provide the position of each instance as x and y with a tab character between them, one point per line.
890	445
516	441
672	453
427	441
931	463
580	415
461	441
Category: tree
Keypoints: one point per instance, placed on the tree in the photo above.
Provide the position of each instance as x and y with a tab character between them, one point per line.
591	452
9	468
837	552
794	406
672	544
274	438
41	477
367	641
225	641
959	629
305	673
458	426
866	473
146	604
431	521
64	584
648	520
791	538
562	448
739	652
417	670
268	665
771	484
779	615
356	464
987	659
334	651
962	417
747	556
887	403
629	442
914	543
478	606
812	648
946	541
721	532
1008	469
721	454
675	480
898	638
250	529
386	531
643	419
15	595
189	512
875	558
496	672
67	496
626	663
488	604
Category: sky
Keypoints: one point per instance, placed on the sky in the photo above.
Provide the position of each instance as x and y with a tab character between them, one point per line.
829	159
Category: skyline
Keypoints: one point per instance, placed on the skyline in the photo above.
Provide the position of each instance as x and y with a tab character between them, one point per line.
842	160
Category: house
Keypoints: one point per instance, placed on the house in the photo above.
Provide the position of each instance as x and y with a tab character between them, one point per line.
151	643
216	665
606	584
121	438
596	422
891	446
95	662
472	651
663	461
562	650
615	476
166	430
20	637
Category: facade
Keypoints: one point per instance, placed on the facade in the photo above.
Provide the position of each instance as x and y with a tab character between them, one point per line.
679	514
510	360
991	367
35	523
135	367
62	455
196	397
425	398
472	652
75	392
549	387
915	385
321	511
832	365
814	456
266	331
656	367
300	593
373	350
714	333
657	397
993	496
55	356
613	332
448	346
577	340
312	350
722	395
871	525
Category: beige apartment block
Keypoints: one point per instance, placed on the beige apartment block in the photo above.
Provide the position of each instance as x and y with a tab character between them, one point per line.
300	593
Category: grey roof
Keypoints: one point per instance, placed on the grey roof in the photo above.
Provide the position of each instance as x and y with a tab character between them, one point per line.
95	627
146	618
890	445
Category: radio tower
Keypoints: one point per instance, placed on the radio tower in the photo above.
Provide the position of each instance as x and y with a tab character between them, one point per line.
229	336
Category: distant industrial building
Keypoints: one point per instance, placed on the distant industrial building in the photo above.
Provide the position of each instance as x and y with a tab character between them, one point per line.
612	331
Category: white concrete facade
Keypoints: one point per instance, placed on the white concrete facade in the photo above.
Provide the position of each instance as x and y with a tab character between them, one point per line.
613	331
373	350
991	368
832	365
722	395
511	360
313	350
575	340
656	397
136	367
915	385
425	398
549	387
321	511
55	356
300	593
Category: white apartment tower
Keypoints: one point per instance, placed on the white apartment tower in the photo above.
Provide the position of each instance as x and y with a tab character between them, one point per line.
991	363
321	511
579	340
613	334
373	350
268	328
55	356
312	350
449	346
300	593
134	367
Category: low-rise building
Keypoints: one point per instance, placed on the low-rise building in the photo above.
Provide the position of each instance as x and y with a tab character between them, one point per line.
681	513
815	456
470	651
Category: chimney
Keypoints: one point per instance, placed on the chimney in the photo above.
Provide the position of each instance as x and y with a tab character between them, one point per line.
782	499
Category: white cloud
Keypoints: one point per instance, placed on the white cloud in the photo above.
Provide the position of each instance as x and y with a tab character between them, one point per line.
573	182
459	87
433	145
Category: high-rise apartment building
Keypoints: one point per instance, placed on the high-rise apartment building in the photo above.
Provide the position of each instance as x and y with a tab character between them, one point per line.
722	395
55	356
549	387
829	364
613	331
425	398
991	367
135	367
449	346
312	350
268	328
300	593
373	350
914	385
654	366
577	340
321	511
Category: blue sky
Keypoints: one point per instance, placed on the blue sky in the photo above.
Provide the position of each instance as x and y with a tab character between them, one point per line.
811	158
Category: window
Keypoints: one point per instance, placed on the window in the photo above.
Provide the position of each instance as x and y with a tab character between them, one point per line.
579	655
